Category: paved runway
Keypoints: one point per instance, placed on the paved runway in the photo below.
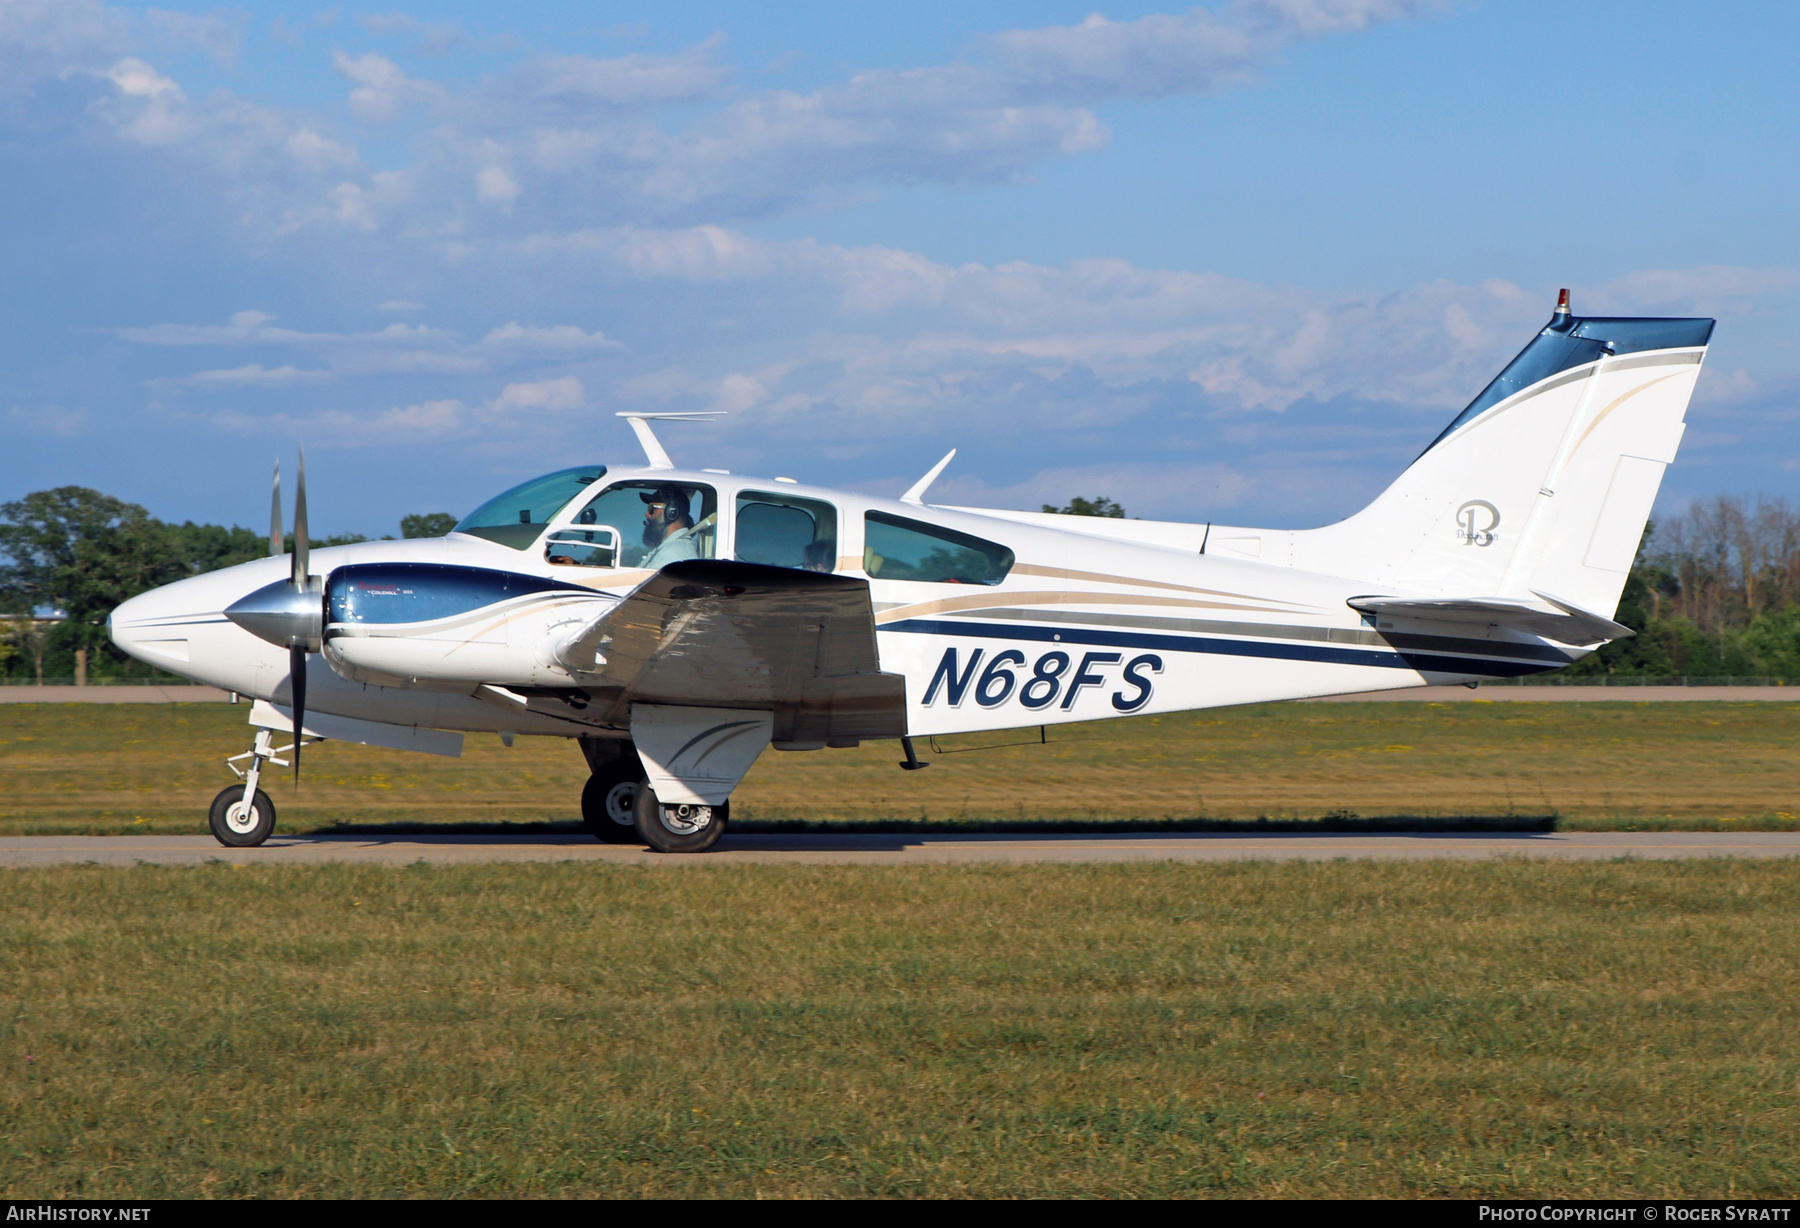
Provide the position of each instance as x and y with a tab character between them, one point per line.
897	849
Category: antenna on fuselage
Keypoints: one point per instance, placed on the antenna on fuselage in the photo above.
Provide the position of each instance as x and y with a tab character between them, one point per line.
916	495
657	455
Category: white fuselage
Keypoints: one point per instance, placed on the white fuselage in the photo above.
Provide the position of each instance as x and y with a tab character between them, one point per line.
1084	626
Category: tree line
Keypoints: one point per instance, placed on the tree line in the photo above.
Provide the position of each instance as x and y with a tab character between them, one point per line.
1715	591
73	554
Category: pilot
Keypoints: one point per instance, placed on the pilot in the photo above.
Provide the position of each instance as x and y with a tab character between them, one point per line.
668	527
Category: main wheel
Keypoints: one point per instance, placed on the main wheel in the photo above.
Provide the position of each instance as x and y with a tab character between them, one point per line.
608	798
678	829
238	828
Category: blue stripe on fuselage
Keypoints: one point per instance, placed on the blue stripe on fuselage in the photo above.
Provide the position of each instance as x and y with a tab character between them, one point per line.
1331	655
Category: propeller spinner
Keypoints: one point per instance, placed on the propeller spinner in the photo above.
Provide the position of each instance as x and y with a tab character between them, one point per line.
288	613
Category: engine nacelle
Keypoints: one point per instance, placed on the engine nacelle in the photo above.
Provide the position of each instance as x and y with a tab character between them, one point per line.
407	624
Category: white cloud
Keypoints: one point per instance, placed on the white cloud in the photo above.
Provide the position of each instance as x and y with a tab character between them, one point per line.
319	153
1247	344
495	186
41	39
217	35
254	328
395	349
138	80
559	338
251	375
633	80
47	420
151	109
383	92
425	422
1708	290
431	36
551	394
559	140
1200	51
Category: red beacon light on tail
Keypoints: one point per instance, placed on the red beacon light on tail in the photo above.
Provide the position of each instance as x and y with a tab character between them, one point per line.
1562	302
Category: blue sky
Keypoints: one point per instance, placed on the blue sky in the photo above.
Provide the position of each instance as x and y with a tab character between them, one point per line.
1249	256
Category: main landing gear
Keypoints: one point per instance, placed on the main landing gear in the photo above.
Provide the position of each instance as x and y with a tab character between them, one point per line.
678	829
242	816
619	806
609	799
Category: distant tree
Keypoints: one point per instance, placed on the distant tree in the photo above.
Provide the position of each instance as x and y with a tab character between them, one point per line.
82	552
1078	506
208	547
427	524
317	543
26	635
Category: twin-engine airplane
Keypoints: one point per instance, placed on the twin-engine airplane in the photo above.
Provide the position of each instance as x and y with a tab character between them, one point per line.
678	622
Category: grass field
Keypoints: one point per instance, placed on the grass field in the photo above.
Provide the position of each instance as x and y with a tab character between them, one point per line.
1506	1029
153	768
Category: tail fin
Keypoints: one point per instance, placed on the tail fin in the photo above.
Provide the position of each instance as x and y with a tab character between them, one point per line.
1542	486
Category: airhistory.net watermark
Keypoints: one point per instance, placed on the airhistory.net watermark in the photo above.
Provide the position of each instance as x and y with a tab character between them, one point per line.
59	1213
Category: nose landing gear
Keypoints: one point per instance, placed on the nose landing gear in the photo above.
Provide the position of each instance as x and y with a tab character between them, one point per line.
242	816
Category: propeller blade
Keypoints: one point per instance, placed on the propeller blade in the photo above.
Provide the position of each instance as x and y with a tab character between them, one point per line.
275	543
297	681
299	577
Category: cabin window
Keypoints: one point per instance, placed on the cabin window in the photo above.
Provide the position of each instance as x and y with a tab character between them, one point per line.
786	531
517	517
898	549
658	523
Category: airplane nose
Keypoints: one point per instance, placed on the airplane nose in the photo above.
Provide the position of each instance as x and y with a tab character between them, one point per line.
183	627
124	624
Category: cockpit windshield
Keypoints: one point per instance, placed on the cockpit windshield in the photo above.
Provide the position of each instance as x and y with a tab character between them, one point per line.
517	517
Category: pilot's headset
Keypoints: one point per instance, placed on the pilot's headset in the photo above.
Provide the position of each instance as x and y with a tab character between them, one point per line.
675	502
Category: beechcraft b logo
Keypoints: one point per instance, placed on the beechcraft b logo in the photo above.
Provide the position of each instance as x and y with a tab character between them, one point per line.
1476	521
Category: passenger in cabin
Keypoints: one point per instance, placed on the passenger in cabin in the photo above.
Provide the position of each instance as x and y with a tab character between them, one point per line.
668	527
821	556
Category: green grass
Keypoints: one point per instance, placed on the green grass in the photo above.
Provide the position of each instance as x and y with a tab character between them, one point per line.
110	769
1505	1029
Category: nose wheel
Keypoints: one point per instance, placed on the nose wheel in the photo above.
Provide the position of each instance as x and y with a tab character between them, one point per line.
238	825
242	816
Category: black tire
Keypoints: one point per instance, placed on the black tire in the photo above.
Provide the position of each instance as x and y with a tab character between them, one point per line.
229	825
608	801
679	829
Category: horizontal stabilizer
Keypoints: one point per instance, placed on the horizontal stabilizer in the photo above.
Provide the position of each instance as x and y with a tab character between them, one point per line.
1562	622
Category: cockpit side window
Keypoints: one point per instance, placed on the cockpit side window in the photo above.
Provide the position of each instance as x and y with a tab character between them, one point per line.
896	548
658	522
517	517
786	531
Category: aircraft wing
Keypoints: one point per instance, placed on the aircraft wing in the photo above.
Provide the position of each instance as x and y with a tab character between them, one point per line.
1563	622
719	634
